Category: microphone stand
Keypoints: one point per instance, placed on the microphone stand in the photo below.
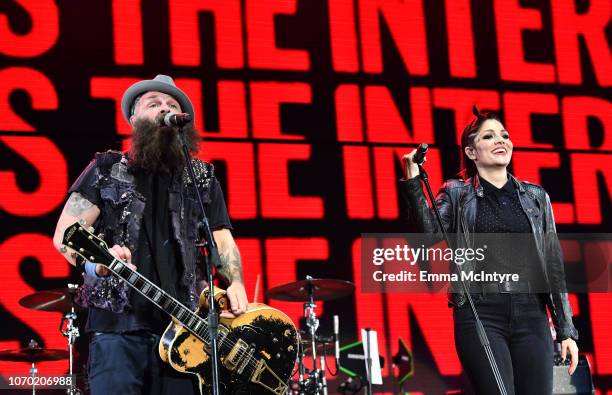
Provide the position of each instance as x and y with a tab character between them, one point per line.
211	258
482	335
368	357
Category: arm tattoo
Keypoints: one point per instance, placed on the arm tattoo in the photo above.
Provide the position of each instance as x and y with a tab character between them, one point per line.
231	263
77	204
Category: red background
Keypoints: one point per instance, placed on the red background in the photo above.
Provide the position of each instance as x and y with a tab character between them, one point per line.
306	107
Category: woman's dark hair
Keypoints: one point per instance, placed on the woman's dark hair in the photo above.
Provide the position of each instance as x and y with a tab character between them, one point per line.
467	140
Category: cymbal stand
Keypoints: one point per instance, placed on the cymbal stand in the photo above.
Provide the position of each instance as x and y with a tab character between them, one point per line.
312	322
301	369
323	378
71	333
33	371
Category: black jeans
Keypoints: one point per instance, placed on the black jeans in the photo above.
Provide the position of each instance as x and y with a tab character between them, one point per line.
129	364
518	330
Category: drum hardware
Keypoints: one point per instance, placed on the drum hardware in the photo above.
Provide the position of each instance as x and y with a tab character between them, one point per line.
403	362
33	354
62	301
312	323
311	289
321	288
368	362
354	357
71	333
323	378
352	385
55	300
322	344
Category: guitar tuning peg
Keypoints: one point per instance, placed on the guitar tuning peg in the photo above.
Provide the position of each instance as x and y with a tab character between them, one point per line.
101	236
82	222
91	229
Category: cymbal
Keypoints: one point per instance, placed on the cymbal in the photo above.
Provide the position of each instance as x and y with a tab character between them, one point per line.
322	289
33	354
305	338
320	348
59	300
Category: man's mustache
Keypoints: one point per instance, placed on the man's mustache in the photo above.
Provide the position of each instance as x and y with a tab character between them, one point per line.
158	148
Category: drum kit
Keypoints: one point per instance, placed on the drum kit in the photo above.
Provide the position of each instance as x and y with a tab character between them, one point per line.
313	381
59	301
309	291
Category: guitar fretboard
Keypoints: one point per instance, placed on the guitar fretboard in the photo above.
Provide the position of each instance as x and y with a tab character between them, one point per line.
194	323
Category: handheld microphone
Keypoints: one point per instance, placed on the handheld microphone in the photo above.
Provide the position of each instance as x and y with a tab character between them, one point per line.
419	157
337	338
180	120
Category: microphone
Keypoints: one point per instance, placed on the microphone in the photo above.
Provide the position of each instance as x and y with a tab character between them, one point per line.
337	338
172	119
419	157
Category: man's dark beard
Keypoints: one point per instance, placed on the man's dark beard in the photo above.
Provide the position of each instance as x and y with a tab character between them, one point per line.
157	149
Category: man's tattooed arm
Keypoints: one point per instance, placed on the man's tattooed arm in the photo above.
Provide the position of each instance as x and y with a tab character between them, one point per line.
231	269
231	263
77	204
77	208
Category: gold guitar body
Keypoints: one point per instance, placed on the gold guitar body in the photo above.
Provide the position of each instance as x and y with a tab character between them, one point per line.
257	350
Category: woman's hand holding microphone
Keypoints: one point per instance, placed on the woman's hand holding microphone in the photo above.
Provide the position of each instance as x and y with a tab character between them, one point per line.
410	160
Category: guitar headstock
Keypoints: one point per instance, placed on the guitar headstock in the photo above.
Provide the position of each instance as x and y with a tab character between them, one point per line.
86	244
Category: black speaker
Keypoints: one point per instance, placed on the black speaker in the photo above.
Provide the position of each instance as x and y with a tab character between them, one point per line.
580	382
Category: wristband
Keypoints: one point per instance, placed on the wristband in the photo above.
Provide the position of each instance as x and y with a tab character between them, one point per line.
90	269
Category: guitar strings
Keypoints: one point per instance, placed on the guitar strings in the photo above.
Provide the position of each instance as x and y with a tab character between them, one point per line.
251	361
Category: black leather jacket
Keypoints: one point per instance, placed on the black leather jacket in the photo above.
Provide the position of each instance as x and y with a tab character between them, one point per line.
457	200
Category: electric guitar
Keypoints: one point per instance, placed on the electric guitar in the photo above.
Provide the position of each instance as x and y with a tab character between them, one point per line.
257	350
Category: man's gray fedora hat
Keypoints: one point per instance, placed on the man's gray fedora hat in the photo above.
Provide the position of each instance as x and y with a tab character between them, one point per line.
161	83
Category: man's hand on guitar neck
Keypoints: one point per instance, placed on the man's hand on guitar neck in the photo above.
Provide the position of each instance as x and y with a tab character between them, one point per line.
118	252
236	294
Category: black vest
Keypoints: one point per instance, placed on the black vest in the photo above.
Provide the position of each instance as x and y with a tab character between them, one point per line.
120	222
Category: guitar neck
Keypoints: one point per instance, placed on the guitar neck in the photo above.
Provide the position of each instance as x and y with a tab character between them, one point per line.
162	299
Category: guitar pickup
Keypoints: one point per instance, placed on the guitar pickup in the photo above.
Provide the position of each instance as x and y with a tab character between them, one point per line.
246	360
233	358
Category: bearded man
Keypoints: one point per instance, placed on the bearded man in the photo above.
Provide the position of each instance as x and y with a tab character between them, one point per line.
145	205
